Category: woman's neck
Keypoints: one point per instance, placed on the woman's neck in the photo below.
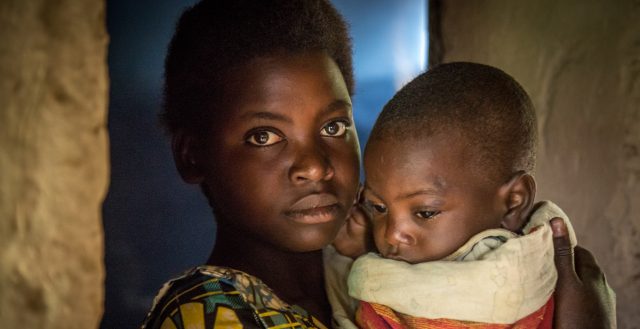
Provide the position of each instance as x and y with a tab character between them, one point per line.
297	278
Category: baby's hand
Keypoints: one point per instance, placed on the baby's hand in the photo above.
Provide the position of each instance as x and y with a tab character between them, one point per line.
354	238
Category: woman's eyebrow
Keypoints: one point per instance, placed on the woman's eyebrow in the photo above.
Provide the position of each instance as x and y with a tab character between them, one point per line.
265	116
337	105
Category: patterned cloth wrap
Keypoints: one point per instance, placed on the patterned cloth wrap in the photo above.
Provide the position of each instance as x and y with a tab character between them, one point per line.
218	297
498	279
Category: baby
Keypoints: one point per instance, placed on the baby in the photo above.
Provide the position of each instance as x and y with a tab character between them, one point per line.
450	193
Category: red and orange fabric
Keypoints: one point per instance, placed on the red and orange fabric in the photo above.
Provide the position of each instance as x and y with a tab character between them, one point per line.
377	316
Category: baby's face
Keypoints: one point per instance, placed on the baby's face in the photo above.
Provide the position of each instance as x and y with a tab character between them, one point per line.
424	198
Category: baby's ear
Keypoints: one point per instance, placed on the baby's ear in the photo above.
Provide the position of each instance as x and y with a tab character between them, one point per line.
185	149
519	194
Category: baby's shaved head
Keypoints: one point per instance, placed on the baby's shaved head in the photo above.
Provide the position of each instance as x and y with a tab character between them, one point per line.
479	103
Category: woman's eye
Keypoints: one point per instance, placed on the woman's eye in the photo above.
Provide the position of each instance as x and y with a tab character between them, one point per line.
427	214
263	138
335	128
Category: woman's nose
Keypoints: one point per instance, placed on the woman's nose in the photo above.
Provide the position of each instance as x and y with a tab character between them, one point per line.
311	164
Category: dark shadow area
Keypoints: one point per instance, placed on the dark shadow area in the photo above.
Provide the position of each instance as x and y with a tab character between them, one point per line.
155	225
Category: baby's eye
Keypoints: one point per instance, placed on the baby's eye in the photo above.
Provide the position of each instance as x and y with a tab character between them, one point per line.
427	214
335	128
373	208
263	138
379	208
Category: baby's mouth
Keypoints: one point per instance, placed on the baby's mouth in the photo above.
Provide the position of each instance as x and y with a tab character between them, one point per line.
395	257
393	252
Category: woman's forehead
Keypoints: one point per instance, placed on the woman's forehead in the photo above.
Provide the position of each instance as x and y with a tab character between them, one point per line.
275	87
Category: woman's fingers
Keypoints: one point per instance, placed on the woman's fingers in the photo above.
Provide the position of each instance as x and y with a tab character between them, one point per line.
594	281
583	299
563	252
586	266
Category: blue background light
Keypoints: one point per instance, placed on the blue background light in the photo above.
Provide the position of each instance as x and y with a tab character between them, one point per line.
390	43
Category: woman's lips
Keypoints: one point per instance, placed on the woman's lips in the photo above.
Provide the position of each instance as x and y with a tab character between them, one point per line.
314	209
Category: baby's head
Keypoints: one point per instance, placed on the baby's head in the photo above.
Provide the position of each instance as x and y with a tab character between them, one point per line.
450	155
257	101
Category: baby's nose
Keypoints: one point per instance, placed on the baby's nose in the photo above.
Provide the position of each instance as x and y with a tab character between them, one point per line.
398	233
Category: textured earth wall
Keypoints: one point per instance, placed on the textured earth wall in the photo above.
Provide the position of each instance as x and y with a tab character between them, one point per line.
53	162
580	62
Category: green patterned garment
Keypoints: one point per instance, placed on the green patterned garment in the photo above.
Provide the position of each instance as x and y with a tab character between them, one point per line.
219	297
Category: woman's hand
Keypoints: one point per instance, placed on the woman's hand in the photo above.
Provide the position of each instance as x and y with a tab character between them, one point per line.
582	298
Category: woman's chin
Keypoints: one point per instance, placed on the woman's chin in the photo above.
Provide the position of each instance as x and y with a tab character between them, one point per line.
313	240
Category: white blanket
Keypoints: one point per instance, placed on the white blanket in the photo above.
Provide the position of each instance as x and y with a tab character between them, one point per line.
487	281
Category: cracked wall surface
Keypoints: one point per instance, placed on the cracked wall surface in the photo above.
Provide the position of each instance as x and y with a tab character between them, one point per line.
53	162
580	63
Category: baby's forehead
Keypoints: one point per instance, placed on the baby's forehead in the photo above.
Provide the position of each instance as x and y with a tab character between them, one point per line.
443	154
447	146
416	138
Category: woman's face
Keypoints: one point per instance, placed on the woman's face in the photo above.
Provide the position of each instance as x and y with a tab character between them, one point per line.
281	162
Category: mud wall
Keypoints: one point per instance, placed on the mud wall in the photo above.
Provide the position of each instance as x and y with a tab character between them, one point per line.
53	162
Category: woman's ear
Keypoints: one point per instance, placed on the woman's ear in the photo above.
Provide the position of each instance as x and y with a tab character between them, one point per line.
519	193
185	149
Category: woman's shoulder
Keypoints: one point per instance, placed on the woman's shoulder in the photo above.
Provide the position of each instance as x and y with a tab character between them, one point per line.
212	296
